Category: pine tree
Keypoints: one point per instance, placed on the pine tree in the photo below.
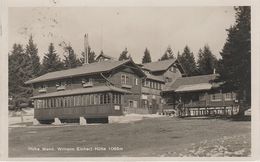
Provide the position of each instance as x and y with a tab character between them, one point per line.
51	61
32	52
168	54
123	55
70	60
187	61
19	72
235	64
207	62
146	57
91	56
164	57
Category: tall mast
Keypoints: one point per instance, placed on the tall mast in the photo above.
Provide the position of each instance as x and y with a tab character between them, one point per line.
86	48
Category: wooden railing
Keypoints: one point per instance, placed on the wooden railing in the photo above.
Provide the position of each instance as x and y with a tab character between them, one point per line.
208	111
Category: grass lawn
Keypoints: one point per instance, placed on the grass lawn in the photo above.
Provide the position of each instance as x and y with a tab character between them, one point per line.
163	136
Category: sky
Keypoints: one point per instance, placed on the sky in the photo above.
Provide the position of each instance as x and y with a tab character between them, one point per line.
112	29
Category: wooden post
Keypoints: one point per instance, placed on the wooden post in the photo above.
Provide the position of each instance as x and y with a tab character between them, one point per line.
174	100
21	115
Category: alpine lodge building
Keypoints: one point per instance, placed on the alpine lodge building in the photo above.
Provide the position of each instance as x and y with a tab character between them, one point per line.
107	87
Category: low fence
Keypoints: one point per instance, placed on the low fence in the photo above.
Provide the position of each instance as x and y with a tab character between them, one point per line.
192	111
210	111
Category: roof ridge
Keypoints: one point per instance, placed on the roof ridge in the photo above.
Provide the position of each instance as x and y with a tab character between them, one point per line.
159	61
105	64
197	76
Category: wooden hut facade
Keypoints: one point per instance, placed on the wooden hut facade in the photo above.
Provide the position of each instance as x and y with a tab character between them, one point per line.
199	96
95	90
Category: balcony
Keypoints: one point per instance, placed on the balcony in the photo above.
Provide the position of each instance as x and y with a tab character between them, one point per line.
42	90
62	87
87	84
126	86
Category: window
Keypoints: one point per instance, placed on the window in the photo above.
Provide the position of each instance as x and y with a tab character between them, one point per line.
136	81
116	98
202	97
97	99
216	97
91	98
173	69
147	83
87	82
123	79
228	96
156	85
61	85
43	88
105	98
131	103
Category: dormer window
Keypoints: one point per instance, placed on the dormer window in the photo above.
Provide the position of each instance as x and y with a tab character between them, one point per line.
43	88
87	82
173	69
61	85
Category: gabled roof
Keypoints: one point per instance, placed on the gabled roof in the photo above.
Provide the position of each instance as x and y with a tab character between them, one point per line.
82	91
194	83
158	65
87	69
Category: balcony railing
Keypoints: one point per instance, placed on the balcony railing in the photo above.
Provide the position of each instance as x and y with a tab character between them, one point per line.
126	86
60	88
42	90
87	84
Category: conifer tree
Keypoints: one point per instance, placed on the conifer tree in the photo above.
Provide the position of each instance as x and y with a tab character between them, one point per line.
207	62
146	57
71	60
123	55
235	64
32	52
168	54
187	61
51	61
91	56
19	72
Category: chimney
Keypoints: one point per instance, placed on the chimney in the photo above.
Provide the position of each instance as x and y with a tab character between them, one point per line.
86	49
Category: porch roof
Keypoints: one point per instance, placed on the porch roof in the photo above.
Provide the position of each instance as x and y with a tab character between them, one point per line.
82	91
194	87
194	83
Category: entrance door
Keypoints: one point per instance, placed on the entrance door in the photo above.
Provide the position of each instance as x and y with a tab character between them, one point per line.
153	108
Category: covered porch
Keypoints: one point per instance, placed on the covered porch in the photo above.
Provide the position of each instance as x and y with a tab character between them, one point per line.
203	99
70	105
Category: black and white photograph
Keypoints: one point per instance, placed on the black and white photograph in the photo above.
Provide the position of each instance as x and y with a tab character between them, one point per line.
129	81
